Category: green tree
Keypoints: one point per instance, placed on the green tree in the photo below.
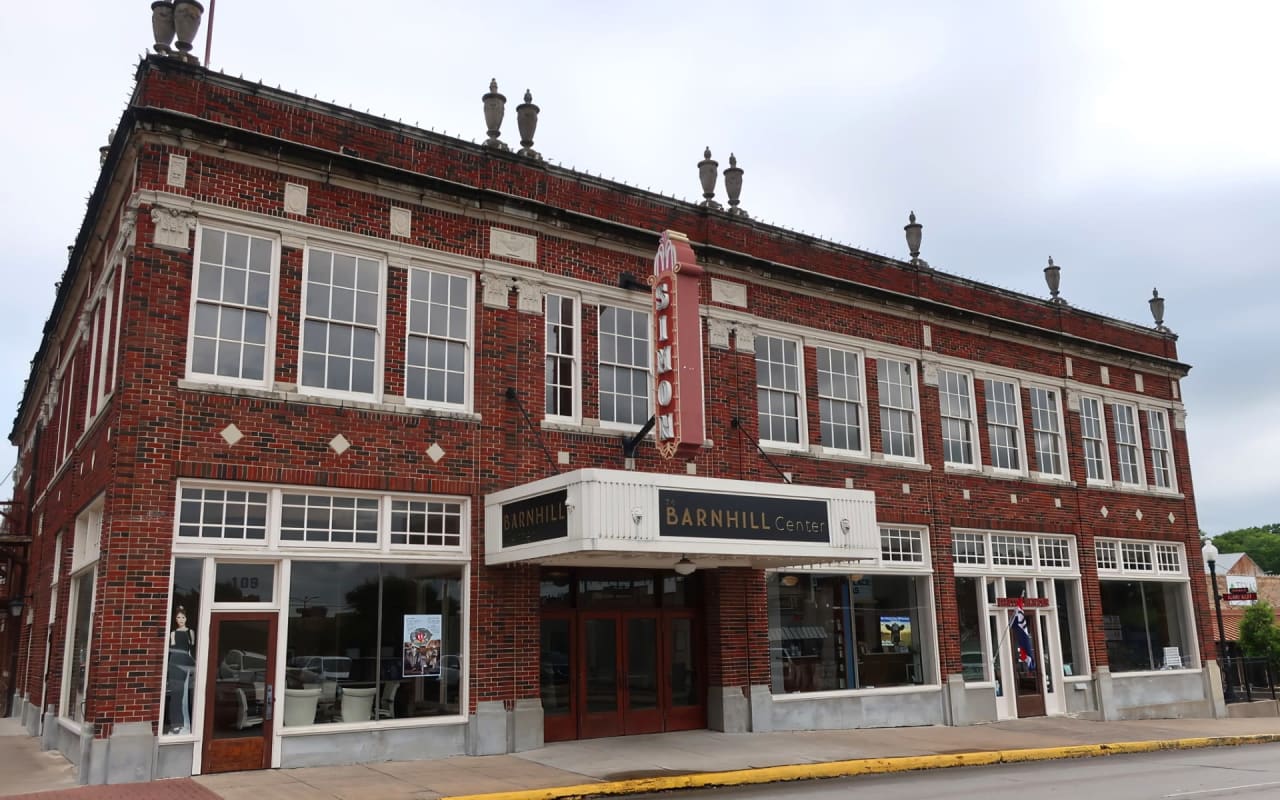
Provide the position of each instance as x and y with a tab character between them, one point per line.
1262	543
1259	636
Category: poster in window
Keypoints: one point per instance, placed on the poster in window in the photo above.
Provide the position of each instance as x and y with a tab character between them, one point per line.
422	644
895	633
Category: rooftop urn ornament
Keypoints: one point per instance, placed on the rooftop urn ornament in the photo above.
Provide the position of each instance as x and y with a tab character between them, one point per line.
707	175
914	230
162	26
733	185
186	21
1053	277
1157	309
495	106
527	120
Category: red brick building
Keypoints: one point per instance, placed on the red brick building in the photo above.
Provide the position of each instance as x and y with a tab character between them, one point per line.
335	449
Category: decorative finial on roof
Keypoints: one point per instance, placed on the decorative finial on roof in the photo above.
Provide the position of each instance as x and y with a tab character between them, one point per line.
495	107
707	176
733	186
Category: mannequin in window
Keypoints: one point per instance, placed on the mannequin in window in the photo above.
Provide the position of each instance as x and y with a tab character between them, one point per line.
182	664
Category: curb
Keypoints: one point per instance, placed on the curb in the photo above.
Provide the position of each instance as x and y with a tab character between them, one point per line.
861	766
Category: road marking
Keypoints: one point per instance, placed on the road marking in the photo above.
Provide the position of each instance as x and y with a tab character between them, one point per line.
1224	789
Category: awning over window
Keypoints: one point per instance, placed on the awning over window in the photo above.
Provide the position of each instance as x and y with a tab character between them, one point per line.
615	518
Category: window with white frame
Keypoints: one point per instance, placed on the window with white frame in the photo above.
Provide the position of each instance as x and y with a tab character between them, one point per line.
217	514
896	383
1128	449
902	545
1145	597
1026	551
102	347
340	325
426	523
955	398
1004	424
841	403
624	366
561	360
66	424
969	548
437	352
1046	424
234	306
86	547
1161	449
322	518
1093	434
778	389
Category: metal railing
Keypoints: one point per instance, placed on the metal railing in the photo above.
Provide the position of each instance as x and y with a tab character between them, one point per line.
1249	679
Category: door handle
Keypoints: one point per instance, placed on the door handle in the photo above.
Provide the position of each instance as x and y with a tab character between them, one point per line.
269	702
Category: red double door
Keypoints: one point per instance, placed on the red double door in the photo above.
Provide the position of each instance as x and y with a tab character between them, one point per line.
612	673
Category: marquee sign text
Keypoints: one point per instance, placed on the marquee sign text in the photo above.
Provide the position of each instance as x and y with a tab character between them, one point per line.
677	340
731	516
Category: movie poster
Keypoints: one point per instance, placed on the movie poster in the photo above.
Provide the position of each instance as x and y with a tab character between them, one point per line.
422	645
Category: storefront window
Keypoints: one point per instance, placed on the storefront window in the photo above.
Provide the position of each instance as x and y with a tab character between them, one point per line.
969	610
81	623
829	632
1067	621
1144	624
368	642
180	679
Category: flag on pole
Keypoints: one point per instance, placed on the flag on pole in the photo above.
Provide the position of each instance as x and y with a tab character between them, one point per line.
1023	633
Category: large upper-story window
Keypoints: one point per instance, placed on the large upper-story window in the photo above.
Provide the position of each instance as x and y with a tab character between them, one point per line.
955	397
624	366
340	324
1161	450
234	306
562	365
1046	424
841	404
778	389
437	353
1004	424
1128	449
896	383
1093	435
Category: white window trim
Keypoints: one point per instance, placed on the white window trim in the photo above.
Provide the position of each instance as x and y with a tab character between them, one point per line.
1167	419
1106	441
648	369
272	544
1155	573
864	421
468	383
575	414
975	443
1061	436
273	307
1139	457
915	410
988	567
380	344
1020	428
802	404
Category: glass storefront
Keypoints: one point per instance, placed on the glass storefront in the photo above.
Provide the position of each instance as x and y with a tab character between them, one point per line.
831	632
1144	624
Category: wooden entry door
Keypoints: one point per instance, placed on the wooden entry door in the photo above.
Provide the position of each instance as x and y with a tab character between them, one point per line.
1028	682
621	662
240	695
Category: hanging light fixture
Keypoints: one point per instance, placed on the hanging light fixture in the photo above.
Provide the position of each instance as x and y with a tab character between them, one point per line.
684	566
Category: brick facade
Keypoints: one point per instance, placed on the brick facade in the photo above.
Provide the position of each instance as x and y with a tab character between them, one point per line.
244	142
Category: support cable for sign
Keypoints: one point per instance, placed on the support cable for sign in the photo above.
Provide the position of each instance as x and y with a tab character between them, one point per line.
514	397
736	424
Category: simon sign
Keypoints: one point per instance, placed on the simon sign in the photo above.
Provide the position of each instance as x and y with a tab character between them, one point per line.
677	341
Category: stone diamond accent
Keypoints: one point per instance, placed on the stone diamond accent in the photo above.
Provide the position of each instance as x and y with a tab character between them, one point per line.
231	434
1057	502
1137	512
339	444
966	494
1171	517
435	452
1103	511
906	488
1013	499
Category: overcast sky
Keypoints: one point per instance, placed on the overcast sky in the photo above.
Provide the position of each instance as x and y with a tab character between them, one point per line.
1138	143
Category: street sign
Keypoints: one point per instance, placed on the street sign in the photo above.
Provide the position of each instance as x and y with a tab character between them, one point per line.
1237	595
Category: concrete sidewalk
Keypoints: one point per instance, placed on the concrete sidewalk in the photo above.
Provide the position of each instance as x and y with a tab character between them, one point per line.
636	764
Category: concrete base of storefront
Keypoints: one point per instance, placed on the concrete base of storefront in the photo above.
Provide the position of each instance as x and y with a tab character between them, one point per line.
728	710
495	729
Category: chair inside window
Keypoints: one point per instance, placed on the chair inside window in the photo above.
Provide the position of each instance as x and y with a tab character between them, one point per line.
387	703
1172	658
243	718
